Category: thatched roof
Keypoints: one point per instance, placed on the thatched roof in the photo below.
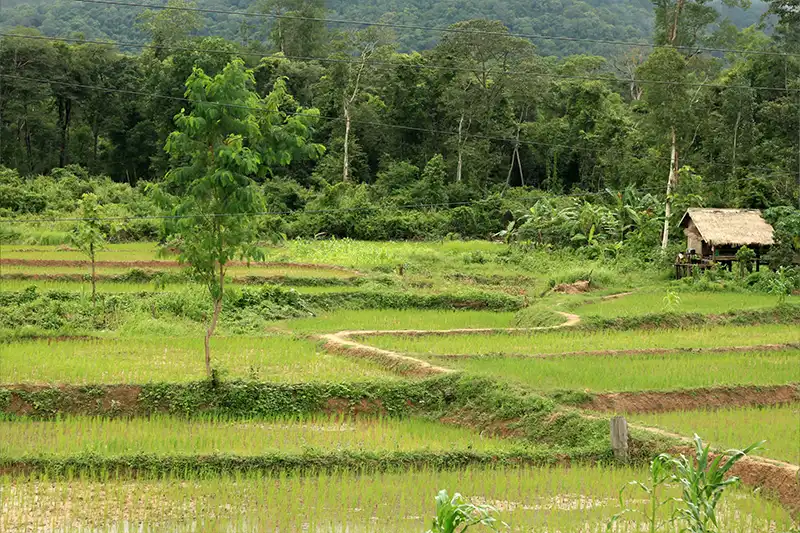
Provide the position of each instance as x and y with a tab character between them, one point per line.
735	227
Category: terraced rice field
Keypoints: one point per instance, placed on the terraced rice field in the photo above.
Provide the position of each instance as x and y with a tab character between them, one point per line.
276	358
113	287
664	372
164	434
46	269
644	302
566	340
577	499
385	319
290	437
733	427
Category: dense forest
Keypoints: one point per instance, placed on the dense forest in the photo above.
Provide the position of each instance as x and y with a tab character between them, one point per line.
480	113
625	20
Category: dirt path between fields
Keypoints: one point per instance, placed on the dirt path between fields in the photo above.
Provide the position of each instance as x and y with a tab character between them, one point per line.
342	343
779	479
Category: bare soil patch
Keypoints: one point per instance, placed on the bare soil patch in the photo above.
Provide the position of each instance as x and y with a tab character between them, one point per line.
684	400
578	287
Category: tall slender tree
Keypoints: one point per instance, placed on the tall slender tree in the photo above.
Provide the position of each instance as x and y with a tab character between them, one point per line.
229	137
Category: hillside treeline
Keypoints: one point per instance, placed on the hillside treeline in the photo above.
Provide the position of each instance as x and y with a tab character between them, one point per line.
479	113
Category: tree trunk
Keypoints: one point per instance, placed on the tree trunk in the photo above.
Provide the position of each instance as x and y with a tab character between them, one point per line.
735	139
28	144
672	180
519	165
213	325
460	154
95	135
94	277
673	33
64	115
511	167
346	165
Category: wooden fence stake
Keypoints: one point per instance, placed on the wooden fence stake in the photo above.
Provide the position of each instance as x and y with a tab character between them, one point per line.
619	438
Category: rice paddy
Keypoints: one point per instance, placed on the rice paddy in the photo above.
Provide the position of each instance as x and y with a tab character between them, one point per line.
406	437
236	271
163	434
640	303
737	427
638	372
276	358
576	499
385	319
113	287
560	341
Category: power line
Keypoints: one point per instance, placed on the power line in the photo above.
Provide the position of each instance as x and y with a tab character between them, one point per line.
432	66
568	147
531	36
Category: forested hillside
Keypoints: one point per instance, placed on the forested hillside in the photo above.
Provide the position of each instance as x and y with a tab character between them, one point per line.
629	20
471	133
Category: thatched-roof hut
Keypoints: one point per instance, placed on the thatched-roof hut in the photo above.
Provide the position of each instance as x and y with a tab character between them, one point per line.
719	233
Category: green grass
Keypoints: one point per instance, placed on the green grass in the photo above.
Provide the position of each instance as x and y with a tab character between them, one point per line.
111	287
529	499
161	434
641	303
372	319
276	358
234	271
639	372
136	251
567	340
737	428
423	261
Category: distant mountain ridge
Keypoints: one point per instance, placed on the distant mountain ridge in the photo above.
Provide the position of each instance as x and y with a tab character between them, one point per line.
615	20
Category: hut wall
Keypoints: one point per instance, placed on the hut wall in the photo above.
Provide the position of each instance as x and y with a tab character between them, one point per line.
694	240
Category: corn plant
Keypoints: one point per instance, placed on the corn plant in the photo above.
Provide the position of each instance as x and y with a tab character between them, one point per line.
671	300
457	514
703	481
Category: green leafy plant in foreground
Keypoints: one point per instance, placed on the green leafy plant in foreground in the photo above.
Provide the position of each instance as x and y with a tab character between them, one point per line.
457	514
702	480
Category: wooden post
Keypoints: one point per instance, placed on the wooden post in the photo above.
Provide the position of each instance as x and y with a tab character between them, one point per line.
619	438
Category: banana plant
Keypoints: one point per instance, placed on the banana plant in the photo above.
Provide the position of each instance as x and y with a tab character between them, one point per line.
457	515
